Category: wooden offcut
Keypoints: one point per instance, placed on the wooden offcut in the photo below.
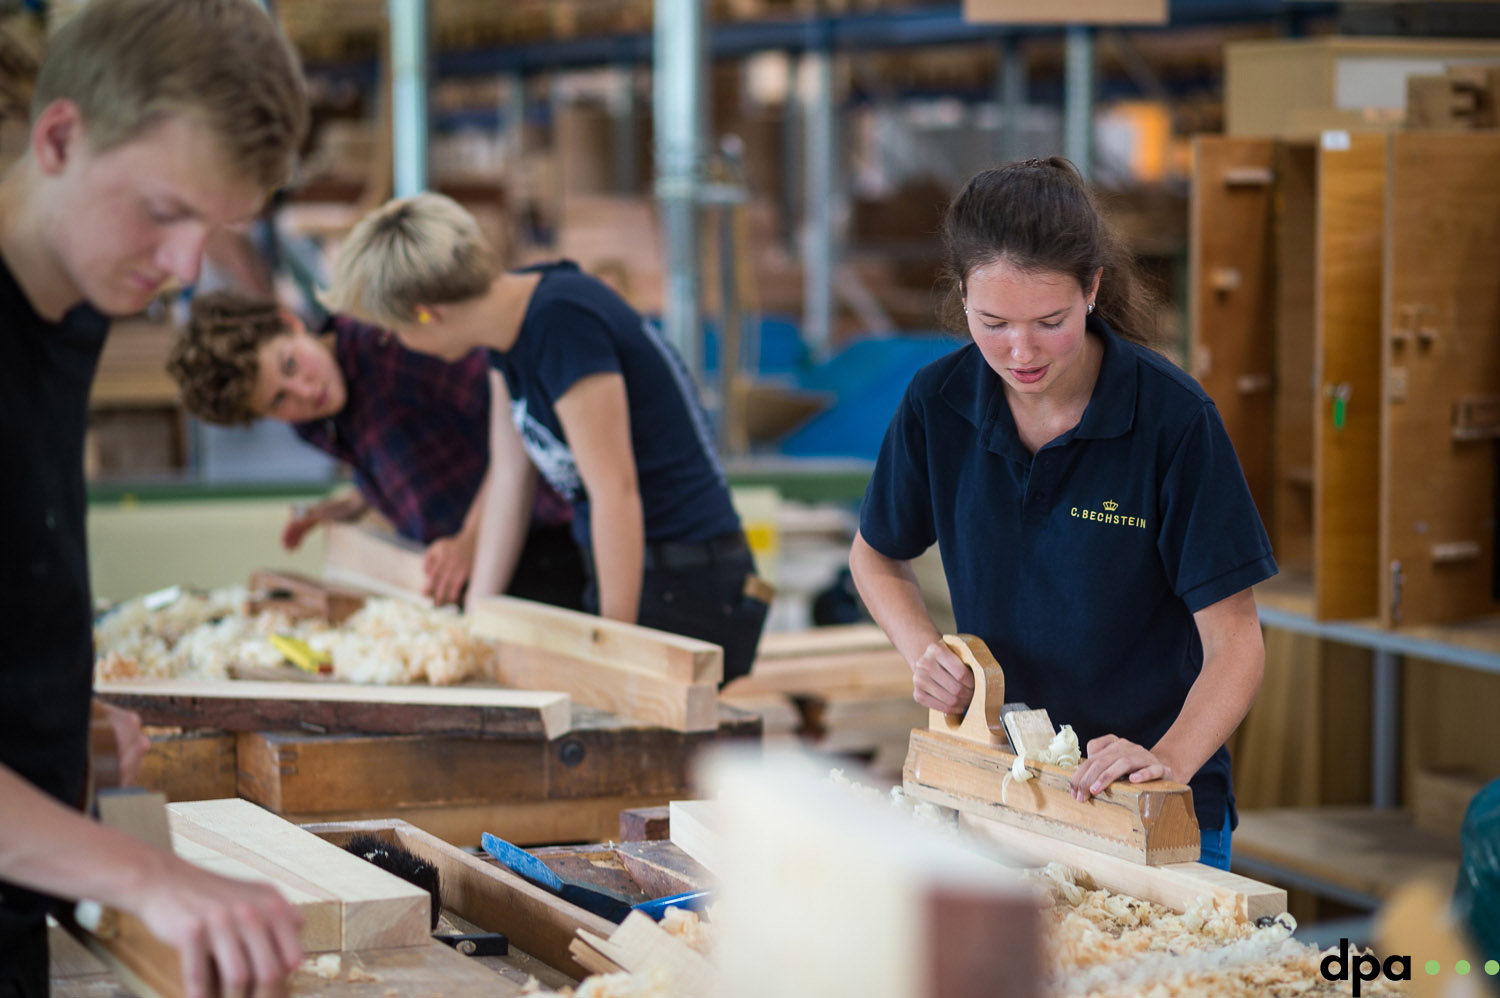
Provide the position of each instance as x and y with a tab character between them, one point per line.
246	705
624	669
960	764
301	597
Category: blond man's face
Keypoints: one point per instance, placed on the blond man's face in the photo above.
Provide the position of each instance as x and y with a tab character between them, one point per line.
128	222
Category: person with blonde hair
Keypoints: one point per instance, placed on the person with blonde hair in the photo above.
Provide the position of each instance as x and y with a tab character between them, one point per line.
153	124
596	397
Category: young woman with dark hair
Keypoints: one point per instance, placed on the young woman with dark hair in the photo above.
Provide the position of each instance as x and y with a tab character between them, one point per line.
1094	524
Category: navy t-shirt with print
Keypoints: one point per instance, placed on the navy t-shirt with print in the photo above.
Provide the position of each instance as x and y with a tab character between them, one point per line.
1080	566
575	326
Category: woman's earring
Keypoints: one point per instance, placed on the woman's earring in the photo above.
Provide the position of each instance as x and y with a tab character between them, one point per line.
424	316
1090	312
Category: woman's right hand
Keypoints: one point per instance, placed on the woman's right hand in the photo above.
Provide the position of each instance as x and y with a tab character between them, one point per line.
941	680
245	932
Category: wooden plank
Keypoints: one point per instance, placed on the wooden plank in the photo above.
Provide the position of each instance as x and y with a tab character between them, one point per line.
874	671
662	868
1360	849
374	561
1442	307
249	705
813	641
602	755
647	949
376	908
575	819
490	896
1150	823
1291	512
1346	466
636	695
589	637
1231	298
191	765
1174	886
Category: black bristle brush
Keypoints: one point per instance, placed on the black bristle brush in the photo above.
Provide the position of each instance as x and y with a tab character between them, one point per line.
403	863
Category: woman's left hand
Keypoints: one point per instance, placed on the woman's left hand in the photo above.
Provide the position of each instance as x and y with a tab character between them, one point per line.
1112	758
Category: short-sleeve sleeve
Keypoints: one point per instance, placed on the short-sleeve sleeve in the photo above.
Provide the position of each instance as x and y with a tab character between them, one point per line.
575	342
1212	541
896	518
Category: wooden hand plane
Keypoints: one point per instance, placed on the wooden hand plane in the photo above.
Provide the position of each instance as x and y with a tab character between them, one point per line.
964	762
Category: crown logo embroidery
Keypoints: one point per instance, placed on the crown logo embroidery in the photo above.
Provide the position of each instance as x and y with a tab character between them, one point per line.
1110	505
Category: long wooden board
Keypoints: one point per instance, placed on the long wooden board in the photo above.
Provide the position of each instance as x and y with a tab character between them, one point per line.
872	671
248	705
588	637
1291	512
601	756
373	561
1149	823
1175	886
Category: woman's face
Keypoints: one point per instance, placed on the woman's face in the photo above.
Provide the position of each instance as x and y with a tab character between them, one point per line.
1029	325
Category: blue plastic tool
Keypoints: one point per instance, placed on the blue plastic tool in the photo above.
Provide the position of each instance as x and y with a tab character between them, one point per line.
524	864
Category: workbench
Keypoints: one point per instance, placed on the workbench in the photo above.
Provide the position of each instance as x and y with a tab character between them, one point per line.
527	789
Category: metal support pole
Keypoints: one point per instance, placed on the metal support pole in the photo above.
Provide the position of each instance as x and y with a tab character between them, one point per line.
408	56
818	244
1078	101
680	84
623	117
1385	741
1012	98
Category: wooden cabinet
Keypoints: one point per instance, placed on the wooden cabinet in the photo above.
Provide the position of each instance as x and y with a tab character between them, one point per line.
1346	320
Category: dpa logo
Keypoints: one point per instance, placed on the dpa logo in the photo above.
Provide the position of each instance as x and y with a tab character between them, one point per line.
1364	966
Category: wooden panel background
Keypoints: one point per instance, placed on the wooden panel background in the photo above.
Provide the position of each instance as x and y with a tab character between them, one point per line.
1291	510
1232	298
1346	484
1442	325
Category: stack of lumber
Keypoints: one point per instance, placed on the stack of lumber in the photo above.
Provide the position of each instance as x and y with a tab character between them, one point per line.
840	690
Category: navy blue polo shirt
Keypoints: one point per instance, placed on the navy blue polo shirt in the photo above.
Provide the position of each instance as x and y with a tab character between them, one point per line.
1080	566
576	326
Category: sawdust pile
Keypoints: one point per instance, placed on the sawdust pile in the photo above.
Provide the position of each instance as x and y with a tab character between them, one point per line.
685	925
208	635
1104	944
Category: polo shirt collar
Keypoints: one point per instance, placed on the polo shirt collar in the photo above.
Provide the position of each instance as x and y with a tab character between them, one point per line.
974	391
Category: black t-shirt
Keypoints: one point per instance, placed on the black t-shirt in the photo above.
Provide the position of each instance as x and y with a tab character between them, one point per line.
1081	565
574	327
46	614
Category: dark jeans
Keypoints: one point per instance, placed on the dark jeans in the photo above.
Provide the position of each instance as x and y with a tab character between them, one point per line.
23	957
550	569
698	591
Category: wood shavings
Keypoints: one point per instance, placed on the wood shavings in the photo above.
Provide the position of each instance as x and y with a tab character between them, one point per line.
1063	750
1105	944
687	926
205	636
337	967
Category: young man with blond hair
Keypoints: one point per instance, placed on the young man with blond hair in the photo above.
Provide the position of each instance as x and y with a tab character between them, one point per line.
591	392
154	123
